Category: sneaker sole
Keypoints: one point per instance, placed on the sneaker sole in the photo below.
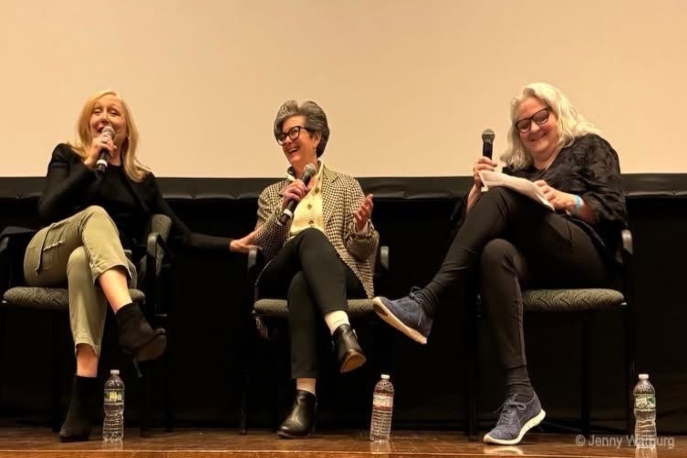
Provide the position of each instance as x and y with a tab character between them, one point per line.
388	317
529	425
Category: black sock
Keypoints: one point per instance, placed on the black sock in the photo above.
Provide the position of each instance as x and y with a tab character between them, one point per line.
518	384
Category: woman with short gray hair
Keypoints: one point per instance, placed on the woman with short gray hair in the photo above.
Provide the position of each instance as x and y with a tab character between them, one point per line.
315	231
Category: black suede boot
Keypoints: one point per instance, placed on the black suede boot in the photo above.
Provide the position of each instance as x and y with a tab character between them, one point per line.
301	420
136	336
82	410
347	349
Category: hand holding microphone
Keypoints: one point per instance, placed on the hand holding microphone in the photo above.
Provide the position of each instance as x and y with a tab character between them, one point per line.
294	193
101	149
484	163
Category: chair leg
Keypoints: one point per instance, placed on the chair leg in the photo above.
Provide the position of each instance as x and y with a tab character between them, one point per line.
55	392
630	348
246	358
585	362
145	384
472	369
167	374
274	391
2	344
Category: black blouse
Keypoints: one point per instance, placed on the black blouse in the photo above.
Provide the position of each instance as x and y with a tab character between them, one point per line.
71	187
589	168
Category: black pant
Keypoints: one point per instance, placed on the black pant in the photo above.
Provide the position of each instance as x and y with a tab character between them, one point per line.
308	272
517	244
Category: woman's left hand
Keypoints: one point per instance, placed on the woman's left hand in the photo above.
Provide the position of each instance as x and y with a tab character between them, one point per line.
244	244
560	200
363	213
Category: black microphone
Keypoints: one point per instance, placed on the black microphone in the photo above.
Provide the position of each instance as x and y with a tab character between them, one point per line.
488	143
104	154
287	214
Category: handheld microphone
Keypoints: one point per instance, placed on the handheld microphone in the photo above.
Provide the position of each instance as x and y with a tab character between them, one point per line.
488	142
287	214
101	165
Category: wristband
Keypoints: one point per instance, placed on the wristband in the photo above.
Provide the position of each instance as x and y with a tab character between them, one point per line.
578	205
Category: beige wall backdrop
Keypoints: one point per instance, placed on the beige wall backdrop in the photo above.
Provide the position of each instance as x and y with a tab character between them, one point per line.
408	85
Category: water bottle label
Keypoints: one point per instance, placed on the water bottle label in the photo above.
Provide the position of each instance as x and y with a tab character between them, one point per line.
383	400
113	396
645	402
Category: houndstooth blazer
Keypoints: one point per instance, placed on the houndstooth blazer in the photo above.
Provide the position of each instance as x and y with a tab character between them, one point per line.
341	197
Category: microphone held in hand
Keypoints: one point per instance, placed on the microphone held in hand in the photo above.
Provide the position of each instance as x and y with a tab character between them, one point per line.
287	214
488	143
104	155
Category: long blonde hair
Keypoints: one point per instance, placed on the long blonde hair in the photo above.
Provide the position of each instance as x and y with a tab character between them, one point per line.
132	167
571	124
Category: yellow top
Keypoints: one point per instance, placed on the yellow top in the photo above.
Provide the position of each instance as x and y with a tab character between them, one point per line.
308	213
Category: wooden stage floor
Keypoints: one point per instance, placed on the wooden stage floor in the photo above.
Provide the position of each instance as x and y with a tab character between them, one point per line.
38	442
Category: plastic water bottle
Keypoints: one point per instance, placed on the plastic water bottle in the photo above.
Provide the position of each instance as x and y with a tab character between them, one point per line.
113	404
645	413
382	410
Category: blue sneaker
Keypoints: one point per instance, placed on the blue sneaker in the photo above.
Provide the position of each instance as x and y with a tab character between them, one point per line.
515	420
405	314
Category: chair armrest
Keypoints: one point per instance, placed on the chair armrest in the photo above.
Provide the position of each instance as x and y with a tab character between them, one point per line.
382	281
256	262
156	252
628	247
384	258
4	265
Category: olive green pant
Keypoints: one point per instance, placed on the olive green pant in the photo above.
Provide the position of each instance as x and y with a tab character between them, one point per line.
76	251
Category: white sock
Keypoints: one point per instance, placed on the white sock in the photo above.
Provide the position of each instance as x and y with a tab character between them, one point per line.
336	319
306	384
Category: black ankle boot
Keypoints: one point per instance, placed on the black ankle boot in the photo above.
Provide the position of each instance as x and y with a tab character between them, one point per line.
301	420
136	336
347	349
82	410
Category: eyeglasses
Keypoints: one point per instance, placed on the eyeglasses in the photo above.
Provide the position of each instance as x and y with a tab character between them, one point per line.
540	117
293	134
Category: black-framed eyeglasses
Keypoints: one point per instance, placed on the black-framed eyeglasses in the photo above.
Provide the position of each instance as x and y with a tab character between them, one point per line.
540	117
293	134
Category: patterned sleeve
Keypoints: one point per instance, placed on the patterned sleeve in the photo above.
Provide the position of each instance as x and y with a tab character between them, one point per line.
361	247
270	236
604	193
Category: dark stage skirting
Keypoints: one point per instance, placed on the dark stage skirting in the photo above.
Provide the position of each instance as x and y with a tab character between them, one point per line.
413	217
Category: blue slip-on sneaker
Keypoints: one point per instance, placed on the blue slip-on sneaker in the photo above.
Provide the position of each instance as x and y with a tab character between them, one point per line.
405	314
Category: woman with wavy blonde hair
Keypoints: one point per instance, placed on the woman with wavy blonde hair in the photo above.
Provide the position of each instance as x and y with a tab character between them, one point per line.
514	242
95	205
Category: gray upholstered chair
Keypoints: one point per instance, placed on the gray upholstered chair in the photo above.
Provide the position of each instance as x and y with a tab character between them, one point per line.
269	316
583	304
55	303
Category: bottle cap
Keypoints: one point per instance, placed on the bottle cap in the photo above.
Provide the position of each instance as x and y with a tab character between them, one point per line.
114	372
385	377
643	376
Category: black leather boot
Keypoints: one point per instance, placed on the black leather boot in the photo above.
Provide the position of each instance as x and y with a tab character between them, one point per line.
347	349
136	336
82	410
301	420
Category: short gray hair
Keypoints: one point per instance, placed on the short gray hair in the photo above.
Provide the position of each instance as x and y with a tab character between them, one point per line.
315	120
571	124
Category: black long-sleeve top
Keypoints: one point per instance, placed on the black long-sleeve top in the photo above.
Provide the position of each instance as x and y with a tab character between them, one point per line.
71	187
590	168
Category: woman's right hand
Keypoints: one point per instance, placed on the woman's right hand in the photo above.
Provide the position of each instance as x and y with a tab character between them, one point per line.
482	164
294	191
98	144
